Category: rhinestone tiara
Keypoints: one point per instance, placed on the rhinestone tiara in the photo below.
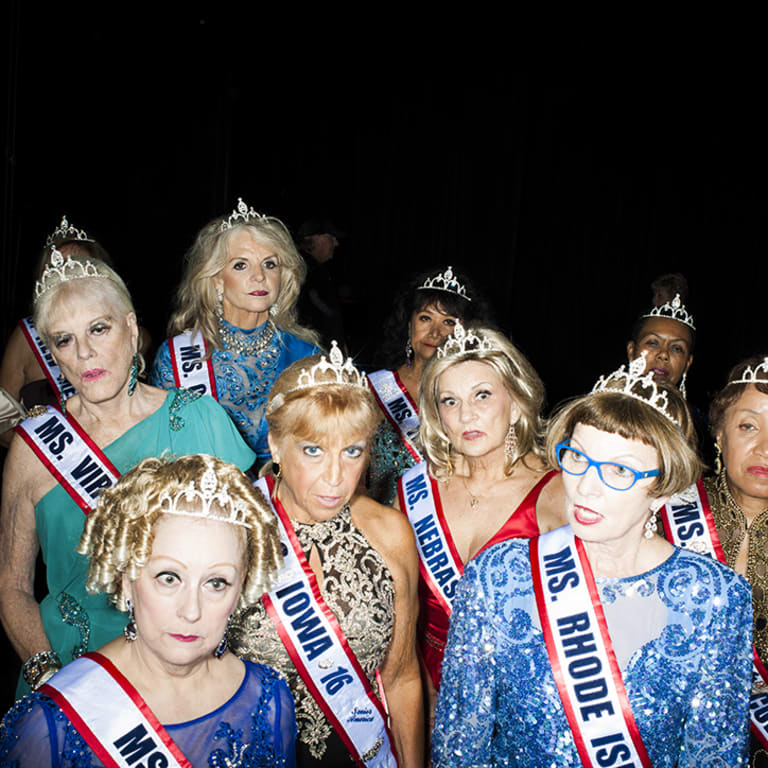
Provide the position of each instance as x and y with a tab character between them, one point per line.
209	491
60	269
241	215
674	310
344	372
750	375
65	231
461	340
444	281
656	398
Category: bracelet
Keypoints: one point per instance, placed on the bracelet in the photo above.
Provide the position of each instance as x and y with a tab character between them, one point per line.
40	667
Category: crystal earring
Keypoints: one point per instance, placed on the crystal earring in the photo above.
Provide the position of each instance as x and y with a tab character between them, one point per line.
510	442
221	648
682	385
273	310
651	526
219	303
129	630
61	397
133	376
718	463
408	352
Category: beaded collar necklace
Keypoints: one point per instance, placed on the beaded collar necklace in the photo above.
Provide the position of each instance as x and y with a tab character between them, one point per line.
248	344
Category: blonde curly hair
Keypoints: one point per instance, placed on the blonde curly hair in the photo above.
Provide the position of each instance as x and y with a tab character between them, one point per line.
118	534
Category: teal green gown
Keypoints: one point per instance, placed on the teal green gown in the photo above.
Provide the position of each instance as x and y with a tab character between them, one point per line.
75	621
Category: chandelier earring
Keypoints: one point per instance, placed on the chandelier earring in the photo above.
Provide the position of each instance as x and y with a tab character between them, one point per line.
682	385
651	526
129	630
137	366
510	442
221	648
718	463
408	352
219	311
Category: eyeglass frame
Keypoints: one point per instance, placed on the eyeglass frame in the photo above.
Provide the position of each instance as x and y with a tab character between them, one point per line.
598	464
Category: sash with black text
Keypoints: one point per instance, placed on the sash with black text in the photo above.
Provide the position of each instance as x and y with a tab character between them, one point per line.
44	357
112	717
398	407
78	464
581	654
439	562
321	654
190	369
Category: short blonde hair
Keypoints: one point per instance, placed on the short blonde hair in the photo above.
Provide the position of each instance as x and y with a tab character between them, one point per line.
118	534
632	419
313	413
521	382
196	300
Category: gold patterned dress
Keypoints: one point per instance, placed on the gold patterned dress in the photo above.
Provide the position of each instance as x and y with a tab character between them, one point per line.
731	524
359	590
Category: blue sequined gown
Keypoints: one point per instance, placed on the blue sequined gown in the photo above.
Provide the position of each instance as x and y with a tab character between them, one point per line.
243	381
682	634
256	727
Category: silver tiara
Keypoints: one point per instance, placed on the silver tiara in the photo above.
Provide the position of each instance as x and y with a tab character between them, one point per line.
60	269
241	215
65	231
344	372
656	398
750	375
209	491
444	281
461	340
674	310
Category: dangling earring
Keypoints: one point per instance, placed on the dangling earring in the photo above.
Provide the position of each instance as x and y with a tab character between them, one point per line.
718	463
408	352
510	442
273	310
276	469
221	648
129	630
651	526
450	461
219	303
60	394
682	385
133	376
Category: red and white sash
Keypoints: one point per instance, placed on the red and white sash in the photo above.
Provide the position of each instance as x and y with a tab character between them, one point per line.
320	651
580	651
70	455
45	358
688	522
190	369
398	407
439	562
112	717
758	701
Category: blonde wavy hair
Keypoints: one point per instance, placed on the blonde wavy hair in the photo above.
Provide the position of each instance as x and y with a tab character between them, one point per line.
196	301
519	379
118	534
633	419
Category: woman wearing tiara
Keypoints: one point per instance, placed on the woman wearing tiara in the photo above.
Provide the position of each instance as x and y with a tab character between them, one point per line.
480	406
422	318
235	327
63	457
176	546
726	515
599	643
339	624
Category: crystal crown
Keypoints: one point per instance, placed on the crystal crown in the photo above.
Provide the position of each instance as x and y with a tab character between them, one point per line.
461	340
675	310
60	269
241	215
752	375
444	281
65	231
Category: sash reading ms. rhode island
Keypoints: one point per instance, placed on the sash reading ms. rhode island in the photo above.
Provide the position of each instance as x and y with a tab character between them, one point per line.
45	359
583	662
320	651
439	562
190	369
398	407
79	465
112	717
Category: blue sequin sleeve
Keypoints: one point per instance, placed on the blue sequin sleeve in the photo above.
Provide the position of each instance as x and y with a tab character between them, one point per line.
161	374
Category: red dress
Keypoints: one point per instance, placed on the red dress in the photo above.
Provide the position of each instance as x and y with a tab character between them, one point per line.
433	618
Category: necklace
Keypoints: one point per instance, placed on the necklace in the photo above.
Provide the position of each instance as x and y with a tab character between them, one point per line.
235	340
474	501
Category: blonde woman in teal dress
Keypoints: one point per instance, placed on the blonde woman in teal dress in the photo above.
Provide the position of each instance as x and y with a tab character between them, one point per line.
84	313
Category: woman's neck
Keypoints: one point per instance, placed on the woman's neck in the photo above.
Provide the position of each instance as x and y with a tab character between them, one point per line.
630	555
243	320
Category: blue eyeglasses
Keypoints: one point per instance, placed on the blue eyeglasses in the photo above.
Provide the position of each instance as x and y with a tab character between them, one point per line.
616	476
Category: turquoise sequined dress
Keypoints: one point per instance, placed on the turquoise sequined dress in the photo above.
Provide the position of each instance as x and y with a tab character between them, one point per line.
243	381
256	727
75	621
682	634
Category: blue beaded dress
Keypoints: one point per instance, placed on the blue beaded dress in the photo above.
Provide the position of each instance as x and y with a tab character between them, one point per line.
256	727
682	635
243	381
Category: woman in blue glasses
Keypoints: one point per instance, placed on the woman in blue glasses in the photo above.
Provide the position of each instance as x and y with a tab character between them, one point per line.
600	643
